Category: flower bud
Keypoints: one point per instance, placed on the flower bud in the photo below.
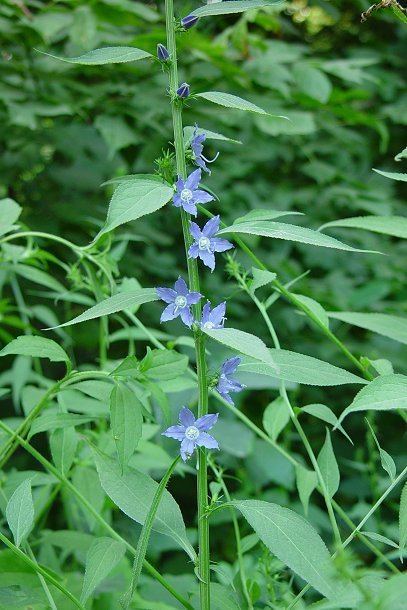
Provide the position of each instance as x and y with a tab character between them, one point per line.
183	91
162	53
189	21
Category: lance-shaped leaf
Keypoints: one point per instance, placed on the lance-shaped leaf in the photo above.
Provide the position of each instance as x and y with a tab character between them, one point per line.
20	511
57	421
237	6
135	198
242	342
403	520
392	175
387	225
230	101
126	420
102	557
328	466
107	55
38	347
384	393
118	302
280	230
210	135
387	325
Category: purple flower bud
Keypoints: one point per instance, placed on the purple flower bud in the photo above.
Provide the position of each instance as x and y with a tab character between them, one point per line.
189	21
183	90
162	53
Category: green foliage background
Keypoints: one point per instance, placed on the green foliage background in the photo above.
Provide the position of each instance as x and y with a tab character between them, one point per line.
68	129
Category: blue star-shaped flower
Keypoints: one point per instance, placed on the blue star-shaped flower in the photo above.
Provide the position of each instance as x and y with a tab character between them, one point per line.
206	244
226	383
213	319
193	432
188	194
180	300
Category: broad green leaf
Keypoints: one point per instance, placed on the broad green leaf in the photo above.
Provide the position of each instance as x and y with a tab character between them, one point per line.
393	593
261	278
384	393
327	415
38	347
20	512
312	82
126	420
387	461
275	417
102	557
387	325
264	214
279	230
133	199
9	214
163	365
63	443
403	519
328	466
118	302
237	6
295	542
307	481
299	368
387	225
242	342
210	135
107	55
230	101
133	492
392	175
54	421
315	307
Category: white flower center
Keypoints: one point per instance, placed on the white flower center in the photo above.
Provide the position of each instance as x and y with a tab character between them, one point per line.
192	433
209	325
186	195
180	301
204	243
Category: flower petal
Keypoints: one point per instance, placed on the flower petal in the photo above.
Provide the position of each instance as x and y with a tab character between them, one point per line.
208	258
226	397
193	251
181	286
211	227
177	432
202	196
193	298
177	201
166	294
186	417
195	230
193	180
189	207
180	184
218	314
221	245
169	313
205	312
187	448
206	422
230	365
186	316
206	440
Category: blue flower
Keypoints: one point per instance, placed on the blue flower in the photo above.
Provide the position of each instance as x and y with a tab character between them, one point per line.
188	194
189	21
193	432
213	319
197	149
226	383
205	244
180	300
183	90
162	52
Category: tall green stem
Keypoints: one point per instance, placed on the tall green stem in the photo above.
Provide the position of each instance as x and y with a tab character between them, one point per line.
193	276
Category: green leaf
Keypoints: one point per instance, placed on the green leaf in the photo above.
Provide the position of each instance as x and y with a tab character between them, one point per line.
327	415
387	325
133	492
275	417
261	278
237	6
38	347
328	466
386	460
295	542
315	307
384	393
133	199
107	55
403	519
102	557
312	82
264	214
392	175
299	368
279	230
242	342
126	420
163	364
379	538
10	212
20	512
53	421
210	135
393	593
307	481
230	101
118	302
387	225
38	276
63	444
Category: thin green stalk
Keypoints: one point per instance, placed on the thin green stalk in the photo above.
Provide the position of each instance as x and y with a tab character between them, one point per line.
66	482
42	580
193	276
239	551
142	543
37	568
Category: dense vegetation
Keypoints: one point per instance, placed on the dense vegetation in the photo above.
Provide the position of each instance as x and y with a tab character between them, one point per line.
84	404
